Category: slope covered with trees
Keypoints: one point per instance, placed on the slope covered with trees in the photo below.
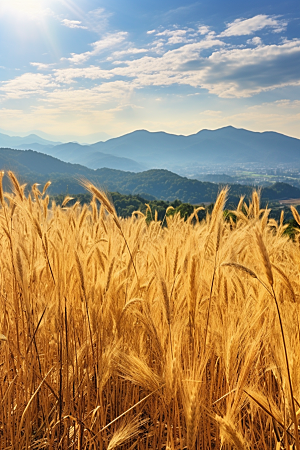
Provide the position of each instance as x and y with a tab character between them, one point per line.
31	166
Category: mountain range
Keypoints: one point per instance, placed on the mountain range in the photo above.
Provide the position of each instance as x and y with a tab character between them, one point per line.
141	149
70	152
225	146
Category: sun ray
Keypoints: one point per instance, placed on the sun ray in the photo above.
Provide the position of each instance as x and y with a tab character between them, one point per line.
75	9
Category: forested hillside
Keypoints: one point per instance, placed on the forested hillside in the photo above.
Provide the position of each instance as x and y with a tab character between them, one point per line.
66	178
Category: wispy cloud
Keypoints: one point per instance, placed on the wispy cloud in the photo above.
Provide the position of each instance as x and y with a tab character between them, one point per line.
41	66
67	76
110	40
243	27
97	20
105	95
73	24
211	113
182	35
166	69
174	36
27	85
78	58
128	51
180	10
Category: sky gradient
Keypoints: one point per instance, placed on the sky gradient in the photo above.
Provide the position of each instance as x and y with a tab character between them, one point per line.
82	67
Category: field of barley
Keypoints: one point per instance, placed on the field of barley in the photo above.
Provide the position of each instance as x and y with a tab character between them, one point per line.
123	334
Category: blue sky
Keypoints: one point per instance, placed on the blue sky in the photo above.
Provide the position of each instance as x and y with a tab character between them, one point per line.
80	67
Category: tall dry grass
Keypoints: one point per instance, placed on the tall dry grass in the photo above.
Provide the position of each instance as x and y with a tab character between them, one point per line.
115	334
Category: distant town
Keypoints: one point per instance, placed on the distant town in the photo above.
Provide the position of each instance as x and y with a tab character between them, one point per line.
252	174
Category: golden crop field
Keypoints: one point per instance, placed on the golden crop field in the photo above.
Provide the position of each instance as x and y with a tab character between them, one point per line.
118	334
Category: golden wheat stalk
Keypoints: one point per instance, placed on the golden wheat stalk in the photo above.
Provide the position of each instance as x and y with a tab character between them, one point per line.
102	197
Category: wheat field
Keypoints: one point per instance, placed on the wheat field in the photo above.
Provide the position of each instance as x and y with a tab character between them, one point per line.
118	334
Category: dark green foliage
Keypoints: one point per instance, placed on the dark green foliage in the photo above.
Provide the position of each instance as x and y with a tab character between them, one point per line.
279	190
81	198
229	215
185	210
125	205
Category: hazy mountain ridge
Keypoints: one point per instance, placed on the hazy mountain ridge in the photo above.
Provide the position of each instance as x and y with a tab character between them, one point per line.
31	139
226	145
87	156
72	152
31	167
143	149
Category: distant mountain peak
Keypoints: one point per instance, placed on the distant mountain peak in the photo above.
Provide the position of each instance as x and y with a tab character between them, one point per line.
143	149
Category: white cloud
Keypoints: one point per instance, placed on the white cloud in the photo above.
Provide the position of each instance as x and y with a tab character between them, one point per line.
27	85
73	24
151	31
226	72
175	36
165	69
211	113
110	40
246	72
203	29
284	103
128	51
41	66
172	33
110	94
243	27
78	58
182	36
255	41
157	46
96	20
67	76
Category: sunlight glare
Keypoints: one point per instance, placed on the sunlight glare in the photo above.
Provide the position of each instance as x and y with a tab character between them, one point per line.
23	7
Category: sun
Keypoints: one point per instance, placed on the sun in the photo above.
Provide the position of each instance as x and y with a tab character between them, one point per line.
22	7
27	19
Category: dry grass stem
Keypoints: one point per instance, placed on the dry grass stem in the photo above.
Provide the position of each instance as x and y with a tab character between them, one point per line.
137	334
